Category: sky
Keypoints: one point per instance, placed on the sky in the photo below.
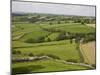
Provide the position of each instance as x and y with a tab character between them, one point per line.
49	8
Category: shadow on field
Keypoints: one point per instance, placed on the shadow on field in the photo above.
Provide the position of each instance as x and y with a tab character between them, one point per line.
26	69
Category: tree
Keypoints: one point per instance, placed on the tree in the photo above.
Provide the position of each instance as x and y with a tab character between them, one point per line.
31	54
50	23
61	36
71	40
33	19
59	22
16	52
48	39
72	60
30	40
40	39
83	22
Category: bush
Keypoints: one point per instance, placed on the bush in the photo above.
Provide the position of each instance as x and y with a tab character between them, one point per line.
53	56
30	40
89	37
16	52
72	60
59	22
71	41
48	40
40	54
40	39
94	65
61	36
50	23
31	54
82	22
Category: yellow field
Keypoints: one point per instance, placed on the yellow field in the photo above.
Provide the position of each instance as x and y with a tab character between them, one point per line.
88	51
92	25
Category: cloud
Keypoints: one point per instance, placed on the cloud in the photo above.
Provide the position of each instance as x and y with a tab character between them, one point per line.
33	7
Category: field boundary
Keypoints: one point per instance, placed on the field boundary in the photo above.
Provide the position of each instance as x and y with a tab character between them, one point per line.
47	57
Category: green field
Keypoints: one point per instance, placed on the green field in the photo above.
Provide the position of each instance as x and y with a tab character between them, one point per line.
54	40
44	66
62	50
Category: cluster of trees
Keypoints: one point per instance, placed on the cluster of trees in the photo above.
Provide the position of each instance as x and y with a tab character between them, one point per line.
16	52
38	40
52	18
89	37
61	36
85	37
77	36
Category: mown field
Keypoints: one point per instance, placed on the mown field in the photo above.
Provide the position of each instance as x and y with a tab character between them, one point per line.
89	52
45	39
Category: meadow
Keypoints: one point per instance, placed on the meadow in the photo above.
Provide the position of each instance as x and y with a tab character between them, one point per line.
54	39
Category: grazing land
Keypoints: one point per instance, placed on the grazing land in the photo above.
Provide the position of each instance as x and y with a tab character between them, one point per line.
44	36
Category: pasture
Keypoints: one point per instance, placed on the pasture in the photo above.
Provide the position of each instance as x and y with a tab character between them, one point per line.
57	39
43	66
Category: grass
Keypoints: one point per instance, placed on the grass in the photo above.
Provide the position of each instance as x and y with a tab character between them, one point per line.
72	27
53	36
63	51
23	44
77	29
34	35
43	66
30	30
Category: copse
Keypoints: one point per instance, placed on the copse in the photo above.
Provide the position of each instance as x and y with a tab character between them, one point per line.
48	40
61	36
50	23
33	19
40	39
16	52
30	40
31	54
59	22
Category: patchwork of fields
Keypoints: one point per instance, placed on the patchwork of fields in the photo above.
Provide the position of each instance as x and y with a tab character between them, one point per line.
57	41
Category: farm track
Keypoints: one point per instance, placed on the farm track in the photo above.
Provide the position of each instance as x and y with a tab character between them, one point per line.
83	53
30	59
80	53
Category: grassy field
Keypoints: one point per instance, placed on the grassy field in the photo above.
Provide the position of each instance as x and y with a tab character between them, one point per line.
64	49
72	27
44	66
